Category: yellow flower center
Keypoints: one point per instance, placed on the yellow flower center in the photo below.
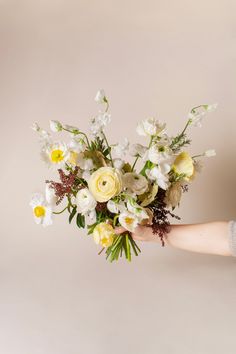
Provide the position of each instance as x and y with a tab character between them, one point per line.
39	211
129	220
57	155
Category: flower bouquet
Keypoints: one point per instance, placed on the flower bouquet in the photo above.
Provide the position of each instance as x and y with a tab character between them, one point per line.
101	189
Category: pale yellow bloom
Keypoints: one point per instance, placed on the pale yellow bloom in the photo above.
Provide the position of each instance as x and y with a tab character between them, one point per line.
173	195
184	164
105	183
103	234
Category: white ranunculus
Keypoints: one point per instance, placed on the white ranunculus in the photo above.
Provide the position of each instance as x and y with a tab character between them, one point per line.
136	183
85	201
55	126
210	153
100	96
150	127
137	150
128	220
159	174
121	148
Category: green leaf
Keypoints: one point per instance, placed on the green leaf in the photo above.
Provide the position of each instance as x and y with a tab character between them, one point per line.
72	214
80	220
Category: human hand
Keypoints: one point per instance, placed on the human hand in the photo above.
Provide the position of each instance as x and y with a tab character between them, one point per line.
141	233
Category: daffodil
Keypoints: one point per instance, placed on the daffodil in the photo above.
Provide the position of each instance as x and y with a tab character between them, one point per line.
42	211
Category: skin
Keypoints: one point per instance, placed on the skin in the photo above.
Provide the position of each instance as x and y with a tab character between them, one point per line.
209	237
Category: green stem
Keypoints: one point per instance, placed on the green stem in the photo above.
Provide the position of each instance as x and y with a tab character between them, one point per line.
104	136
197	156
135	161
79	133
60	212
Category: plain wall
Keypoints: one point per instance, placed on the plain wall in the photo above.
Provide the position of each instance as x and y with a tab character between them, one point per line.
153	58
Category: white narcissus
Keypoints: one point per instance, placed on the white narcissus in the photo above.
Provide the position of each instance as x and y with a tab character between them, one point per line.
42	211
150	127
136	183
85	201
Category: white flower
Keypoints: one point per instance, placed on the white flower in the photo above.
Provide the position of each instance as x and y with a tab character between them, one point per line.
56	153
210	153
85	163
99	123
73	130
100	96
211	107
41	210
150	127
158	154
85	201
121	148
45	137
115	207
159	174
196	115
51	198
55	126
128	220
90	217
77	144
86	175
137	150
136	183
118	163
137	210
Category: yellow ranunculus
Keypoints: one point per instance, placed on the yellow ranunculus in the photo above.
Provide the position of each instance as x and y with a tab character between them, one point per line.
184	164
103	234
105	183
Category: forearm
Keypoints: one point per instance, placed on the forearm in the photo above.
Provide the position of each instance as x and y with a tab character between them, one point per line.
210	237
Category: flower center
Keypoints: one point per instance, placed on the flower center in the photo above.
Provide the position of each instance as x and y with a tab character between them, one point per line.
129	220
57	156
39	211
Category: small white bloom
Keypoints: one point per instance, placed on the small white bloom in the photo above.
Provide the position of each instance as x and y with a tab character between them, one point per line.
77	144
128	220
99	123
73	130
210	153
211	107
136	209
90	217
45	137
136	183
85	201
51	198
151	127
158	154
118	163
115	207
85	163
121	148
41	210
137	150
159	174
100	96
55	154
55	126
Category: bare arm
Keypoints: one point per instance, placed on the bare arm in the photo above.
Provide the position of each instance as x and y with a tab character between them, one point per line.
209	237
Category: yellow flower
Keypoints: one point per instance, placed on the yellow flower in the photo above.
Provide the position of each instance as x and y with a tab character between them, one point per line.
103	234
105	183
183	164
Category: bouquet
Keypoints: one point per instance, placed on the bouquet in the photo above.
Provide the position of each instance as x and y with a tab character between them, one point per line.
100	188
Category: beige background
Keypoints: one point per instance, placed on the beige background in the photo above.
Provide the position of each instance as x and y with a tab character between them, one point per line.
153	58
